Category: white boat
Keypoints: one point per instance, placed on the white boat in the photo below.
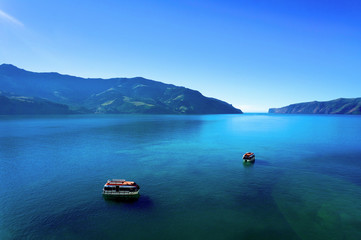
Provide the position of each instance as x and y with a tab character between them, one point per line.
249	157
120	188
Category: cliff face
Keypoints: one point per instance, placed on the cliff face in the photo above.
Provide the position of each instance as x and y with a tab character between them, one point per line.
337	106
115	95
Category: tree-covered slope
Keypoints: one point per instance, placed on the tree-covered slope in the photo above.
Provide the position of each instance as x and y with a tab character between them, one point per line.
28	105
337	106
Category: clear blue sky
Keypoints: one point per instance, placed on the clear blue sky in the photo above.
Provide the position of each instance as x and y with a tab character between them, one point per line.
253	54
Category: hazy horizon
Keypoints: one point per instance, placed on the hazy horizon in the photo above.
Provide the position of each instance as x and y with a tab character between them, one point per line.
253	55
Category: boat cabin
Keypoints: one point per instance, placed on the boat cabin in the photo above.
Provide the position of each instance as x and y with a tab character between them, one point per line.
120	188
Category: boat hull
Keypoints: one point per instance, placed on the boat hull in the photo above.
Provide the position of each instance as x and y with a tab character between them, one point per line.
252	159
121	196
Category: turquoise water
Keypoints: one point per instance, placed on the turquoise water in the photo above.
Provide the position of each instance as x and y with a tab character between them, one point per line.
305	183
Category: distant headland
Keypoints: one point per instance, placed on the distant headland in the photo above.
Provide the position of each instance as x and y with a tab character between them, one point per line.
337	106
25	92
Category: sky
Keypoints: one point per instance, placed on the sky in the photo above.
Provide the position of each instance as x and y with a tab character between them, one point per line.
254	54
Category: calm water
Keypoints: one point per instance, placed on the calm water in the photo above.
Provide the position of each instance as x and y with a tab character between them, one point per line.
305	183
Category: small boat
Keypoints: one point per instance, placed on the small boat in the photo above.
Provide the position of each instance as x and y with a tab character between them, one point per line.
249	157
120	188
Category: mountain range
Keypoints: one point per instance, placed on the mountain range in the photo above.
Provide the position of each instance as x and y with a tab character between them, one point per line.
25	92
337	106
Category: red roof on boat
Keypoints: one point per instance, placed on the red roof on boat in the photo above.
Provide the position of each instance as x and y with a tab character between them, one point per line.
120	182
249	154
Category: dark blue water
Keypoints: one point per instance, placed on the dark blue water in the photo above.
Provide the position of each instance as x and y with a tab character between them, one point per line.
305	183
